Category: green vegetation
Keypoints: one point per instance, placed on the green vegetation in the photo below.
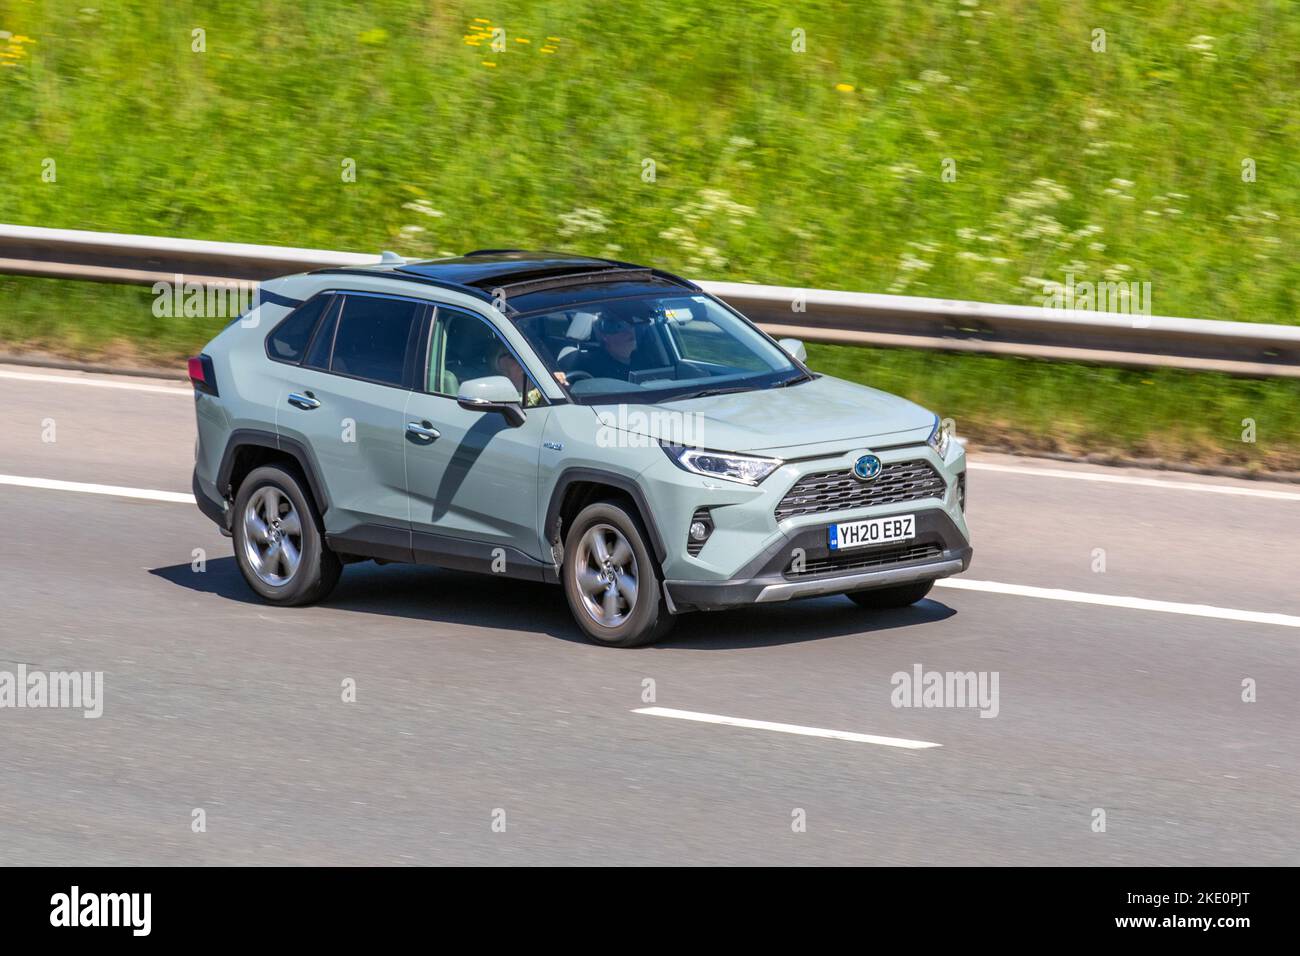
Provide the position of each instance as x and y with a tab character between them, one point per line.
767	168
93	321
1029	405
820	168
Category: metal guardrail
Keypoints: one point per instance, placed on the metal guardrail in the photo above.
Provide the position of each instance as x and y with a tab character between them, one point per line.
817	315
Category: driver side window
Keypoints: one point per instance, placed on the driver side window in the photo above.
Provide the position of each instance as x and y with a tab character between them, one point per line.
464	347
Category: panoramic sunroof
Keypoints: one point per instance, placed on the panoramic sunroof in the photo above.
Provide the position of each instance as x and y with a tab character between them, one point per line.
499	267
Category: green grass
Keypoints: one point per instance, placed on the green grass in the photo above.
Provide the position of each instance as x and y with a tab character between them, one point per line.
821	168
765	171
1034	406
94	321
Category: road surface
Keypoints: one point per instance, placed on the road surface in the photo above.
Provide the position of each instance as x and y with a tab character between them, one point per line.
484	731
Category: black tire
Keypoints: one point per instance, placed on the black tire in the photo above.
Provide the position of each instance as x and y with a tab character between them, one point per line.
646	620
901	595
317	569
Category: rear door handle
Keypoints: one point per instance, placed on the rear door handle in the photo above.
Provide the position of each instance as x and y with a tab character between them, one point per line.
422	432
306	402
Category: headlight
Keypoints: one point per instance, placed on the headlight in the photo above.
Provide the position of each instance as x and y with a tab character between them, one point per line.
939	438
746	469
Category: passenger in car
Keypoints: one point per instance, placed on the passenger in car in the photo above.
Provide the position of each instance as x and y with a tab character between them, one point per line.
506	364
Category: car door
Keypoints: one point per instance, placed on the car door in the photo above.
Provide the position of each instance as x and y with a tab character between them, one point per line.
473	487
345	403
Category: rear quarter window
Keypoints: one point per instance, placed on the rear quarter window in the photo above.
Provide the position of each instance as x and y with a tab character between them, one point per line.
288	341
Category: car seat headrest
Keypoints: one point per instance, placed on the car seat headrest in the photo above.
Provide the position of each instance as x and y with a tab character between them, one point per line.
580	326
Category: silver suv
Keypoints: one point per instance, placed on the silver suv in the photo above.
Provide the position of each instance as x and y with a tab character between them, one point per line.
595	424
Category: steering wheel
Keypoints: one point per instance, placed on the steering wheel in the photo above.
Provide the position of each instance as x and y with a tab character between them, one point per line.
576	376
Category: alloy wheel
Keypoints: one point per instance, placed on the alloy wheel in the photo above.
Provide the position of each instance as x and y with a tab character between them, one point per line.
272	536
606	571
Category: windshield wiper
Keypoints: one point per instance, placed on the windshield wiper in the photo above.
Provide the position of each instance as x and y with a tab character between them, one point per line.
793	381
705	392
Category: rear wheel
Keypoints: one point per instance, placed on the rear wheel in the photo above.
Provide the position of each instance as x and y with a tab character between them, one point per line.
898	596
611	580
279	545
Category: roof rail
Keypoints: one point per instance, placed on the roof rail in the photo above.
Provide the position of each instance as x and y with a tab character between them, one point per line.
574	278
474	291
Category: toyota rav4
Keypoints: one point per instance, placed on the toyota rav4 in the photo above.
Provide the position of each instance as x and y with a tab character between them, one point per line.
606	427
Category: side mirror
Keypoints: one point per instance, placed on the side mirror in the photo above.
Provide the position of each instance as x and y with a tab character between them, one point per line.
493	393
794	348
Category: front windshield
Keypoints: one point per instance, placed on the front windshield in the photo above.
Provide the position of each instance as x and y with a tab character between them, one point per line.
653	348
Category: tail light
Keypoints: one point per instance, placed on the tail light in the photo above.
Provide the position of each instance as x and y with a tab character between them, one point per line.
202	376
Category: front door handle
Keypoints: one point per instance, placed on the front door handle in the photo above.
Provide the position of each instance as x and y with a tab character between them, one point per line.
422	432
306	401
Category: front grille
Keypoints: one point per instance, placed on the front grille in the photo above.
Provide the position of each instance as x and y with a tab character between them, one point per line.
838	490
872	559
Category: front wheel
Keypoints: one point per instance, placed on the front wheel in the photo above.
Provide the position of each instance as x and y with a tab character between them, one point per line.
610	578
900	595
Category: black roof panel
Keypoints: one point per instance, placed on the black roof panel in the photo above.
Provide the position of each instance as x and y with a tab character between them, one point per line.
502	267
576	297
529	275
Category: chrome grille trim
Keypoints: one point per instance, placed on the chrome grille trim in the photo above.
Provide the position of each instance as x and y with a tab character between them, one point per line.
827	491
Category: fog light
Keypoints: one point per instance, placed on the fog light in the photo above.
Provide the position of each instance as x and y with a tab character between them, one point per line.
698	531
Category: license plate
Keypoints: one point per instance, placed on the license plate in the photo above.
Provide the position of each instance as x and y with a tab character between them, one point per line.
859	534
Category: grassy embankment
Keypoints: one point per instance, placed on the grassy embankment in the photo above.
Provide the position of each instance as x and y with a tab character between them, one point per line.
820	168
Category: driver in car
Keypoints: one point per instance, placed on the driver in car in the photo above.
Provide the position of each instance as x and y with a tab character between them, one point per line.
617	354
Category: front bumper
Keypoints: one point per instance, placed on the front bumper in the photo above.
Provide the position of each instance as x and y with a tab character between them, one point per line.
749	556
938	550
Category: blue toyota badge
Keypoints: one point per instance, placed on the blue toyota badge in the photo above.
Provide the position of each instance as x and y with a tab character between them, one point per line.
867	468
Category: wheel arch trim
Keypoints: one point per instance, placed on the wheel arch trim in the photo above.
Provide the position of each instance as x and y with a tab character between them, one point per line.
256	437
570	476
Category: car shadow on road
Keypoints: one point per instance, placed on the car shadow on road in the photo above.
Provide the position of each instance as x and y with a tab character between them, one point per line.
454	597
795	622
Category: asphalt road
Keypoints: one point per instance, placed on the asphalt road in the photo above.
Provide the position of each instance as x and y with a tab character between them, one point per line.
476	702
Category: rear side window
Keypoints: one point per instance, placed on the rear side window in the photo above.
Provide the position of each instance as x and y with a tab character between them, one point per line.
290	338
322	343
374	337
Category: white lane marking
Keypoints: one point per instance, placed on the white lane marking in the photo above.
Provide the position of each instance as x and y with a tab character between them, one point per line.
92	489
786	728
1134	480
1118	600
95	382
